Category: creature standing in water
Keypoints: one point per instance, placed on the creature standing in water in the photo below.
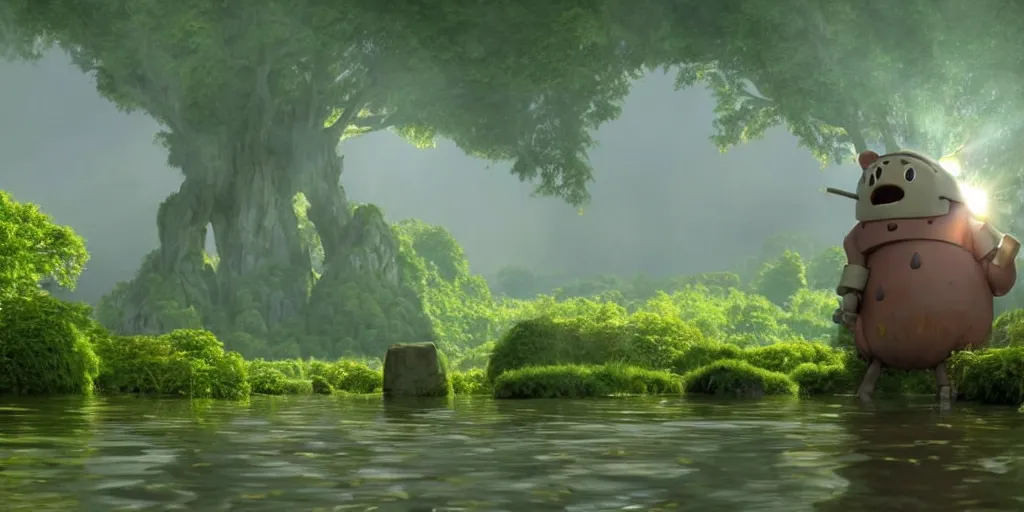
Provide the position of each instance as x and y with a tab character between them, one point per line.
922	271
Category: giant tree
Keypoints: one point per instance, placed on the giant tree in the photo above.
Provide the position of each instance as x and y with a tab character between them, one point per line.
255	96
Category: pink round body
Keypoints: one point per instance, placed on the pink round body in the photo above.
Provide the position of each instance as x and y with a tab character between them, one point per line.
928	292
914	318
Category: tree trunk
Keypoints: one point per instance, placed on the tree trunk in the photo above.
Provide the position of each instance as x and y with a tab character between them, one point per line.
264	273
175	285
360	304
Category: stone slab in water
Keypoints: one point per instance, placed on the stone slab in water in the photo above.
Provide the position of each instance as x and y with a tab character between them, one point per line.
414	370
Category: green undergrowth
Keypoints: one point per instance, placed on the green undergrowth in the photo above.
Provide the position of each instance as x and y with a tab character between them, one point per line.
541	358
552	357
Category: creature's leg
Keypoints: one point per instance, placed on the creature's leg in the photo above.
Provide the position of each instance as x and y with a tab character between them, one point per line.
867	386
942	382
860	340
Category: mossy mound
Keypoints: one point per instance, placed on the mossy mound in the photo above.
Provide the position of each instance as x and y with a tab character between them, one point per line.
645	340
739	379
582	381
184	362
45	347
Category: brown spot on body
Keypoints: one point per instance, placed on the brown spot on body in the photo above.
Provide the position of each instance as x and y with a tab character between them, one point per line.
915	261
892	226
880	294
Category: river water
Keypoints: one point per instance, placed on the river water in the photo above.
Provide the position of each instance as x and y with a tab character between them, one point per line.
293	454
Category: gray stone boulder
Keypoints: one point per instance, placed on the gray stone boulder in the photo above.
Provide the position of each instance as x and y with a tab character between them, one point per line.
416	370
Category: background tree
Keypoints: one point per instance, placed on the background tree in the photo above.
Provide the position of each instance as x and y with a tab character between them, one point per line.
781	279
823	270
255	97
33	247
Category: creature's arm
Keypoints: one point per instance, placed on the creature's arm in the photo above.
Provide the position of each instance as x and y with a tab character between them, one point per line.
854	277
997	253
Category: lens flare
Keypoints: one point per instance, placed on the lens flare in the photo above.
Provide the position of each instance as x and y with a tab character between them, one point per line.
951	164
976	199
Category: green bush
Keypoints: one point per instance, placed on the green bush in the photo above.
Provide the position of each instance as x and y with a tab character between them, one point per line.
580	381
347	376
823	379
644	339
470	382
703	353
1008	329
737	378
994	376
784	357
45	347
321	386
269	378
183	362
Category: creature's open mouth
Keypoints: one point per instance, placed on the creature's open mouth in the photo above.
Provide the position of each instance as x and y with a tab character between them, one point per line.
886	194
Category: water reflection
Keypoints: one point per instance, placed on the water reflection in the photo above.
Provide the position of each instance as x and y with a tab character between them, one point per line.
912	456
352	453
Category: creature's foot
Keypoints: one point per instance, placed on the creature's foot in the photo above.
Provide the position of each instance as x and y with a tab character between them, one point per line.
946	393
946	397
867	386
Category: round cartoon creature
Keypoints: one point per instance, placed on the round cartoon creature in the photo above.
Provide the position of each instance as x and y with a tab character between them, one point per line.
922	270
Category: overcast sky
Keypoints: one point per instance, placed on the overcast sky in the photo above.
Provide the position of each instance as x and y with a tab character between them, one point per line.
665	200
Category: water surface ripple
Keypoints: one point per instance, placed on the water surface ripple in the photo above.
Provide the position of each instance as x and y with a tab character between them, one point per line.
343	453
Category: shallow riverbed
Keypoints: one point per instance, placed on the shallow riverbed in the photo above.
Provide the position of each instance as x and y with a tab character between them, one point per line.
336	453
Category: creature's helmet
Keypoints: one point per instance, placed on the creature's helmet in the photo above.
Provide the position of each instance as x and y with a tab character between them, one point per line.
903	185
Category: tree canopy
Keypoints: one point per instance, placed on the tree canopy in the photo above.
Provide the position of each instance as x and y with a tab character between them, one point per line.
519	81
33	247
845	75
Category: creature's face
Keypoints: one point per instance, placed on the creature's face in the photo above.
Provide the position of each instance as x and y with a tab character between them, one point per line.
903	185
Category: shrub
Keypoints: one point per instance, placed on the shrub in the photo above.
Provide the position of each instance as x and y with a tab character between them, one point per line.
580	381
823	379
183	362
45	347
269	378
470	382
1008	329
347	376
737	378
703	353
321	386
994	376
784	357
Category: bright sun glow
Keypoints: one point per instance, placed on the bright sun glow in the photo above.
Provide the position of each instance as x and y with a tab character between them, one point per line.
951	164
976	199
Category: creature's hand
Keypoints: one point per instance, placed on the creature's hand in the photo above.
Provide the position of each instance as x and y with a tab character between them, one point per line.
847	311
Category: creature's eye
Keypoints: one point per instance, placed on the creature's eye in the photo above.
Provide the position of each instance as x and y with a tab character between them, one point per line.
909	174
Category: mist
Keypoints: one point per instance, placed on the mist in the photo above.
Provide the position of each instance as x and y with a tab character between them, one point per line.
665	200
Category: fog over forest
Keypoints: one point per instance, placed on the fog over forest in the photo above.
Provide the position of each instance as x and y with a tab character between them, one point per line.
665	200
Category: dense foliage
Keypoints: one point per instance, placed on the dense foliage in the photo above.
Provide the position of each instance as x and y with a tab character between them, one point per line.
714	334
